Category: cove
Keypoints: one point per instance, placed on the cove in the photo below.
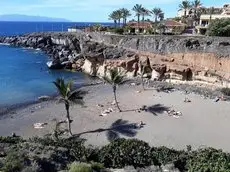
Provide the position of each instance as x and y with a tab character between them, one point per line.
24	75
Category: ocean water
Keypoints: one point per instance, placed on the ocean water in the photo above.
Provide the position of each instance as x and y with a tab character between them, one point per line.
16	28
24	75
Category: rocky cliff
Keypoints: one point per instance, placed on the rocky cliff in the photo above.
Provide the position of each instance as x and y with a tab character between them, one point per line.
175	58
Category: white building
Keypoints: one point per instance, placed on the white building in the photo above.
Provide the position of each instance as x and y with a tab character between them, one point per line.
206	18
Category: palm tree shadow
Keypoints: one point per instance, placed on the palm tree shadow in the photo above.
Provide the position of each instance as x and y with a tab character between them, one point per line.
118	128
155	109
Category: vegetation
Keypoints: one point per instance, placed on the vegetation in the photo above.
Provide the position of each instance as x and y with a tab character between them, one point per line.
212	10
219	27
157	13
115	78
80	167
125	14
119	14
225	91
138	9
68	96
196	4
46	154
185	5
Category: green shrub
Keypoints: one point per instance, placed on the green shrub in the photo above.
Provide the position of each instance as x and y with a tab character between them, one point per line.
122	152
225	91
209	160
11	140
15	162
118	30
79	167
97	166
76	148
219	27
163	155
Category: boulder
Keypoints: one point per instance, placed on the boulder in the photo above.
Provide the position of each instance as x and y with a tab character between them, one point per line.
44	98
54	65
155	75
90	67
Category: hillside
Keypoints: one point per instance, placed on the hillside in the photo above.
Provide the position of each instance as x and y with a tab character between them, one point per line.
19	17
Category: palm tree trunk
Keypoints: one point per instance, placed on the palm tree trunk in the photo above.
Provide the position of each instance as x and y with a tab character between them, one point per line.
68	119
155	28
115	23
138	22
142	82
115	97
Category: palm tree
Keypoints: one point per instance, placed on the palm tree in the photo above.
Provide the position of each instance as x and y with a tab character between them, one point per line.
144	13
115	78
125	14
212	10
161	16
196	5
138	9
68	96
156	12
185	5
142	68
113	16
119	15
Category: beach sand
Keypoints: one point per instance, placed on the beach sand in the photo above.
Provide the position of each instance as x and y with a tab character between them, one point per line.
203	123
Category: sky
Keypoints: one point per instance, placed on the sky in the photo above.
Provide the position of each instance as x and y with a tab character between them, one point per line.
89	10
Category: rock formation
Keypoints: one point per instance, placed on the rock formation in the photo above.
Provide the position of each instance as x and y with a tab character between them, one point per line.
175	58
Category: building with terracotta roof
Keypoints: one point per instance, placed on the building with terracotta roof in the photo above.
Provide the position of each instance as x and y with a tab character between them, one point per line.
141	27
172	26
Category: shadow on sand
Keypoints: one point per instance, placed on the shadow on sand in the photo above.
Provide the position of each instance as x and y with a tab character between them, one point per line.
119	127
123	127
154	109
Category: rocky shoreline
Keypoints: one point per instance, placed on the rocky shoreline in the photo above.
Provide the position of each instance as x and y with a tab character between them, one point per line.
179	59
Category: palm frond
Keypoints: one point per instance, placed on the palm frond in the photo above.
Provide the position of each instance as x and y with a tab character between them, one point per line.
76	94
107	79
60	85
67	95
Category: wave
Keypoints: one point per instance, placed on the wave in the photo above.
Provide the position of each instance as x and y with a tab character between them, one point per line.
4	44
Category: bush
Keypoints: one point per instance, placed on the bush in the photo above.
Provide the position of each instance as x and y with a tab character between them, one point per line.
163	155
209	160
118	30
77	150
79	167
39	155
11	140
15	162
219	27
122	152
97	166
225	91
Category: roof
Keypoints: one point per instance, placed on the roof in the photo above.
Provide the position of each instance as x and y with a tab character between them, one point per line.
141	24
171	23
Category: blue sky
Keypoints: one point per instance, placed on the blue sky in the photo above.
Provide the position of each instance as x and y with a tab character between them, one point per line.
88	10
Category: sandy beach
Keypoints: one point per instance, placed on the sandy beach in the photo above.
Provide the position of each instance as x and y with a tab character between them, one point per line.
202	122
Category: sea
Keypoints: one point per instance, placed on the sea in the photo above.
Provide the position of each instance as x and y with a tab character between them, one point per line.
24	75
